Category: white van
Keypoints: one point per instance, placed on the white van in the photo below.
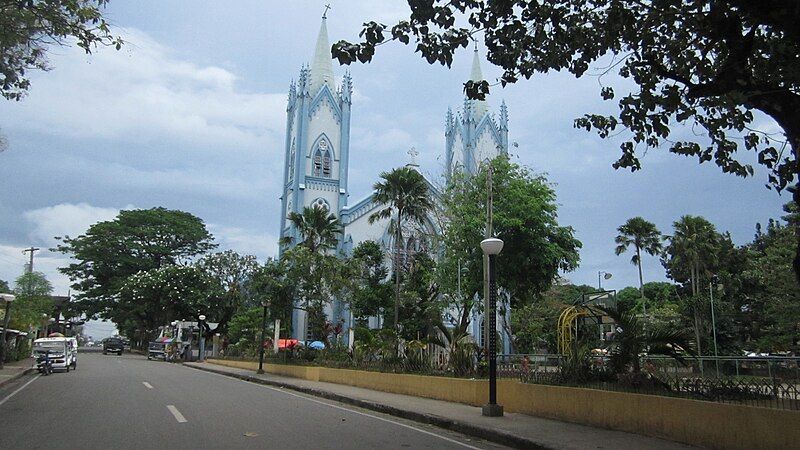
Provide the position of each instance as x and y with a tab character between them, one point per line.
60	353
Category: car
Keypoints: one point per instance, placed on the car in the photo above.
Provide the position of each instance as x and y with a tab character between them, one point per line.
113	345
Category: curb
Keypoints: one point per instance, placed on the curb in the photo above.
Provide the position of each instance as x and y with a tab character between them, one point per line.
496	436
17	376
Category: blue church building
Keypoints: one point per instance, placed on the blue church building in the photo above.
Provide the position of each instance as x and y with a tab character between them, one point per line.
317	152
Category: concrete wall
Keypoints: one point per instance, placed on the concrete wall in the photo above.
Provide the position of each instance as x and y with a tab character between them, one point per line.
707	424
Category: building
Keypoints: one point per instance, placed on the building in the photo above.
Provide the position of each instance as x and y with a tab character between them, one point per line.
317	156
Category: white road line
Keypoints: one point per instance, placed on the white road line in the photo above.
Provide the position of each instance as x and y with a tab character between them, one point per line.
285	391
147	385
19	389
376	417
178	416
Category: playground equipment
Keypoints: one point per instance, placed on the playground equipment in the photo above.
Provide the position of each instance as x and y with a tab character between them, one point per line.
583	308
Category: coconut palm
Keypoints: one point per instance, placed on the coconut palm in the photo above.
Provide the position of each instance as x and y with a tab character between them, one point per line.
319	229
643	236
691	251
404	194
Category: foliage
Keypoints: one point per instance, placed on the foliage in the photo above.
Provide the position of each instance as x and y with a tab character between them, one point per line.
370	294
700	62
631	339
32	291
643	236
404	194
156	297
30	27
4	288
318	228
535	324
461	350
271	283
525	214
135	241
227	272
244	331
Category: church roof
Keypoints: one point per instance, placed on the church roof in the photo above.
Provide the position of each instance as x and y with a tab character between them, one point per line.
478	106
322	66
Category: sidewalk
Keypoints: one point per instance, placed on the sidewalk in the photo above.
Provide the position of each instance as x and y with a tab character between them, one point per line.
514	430
12	371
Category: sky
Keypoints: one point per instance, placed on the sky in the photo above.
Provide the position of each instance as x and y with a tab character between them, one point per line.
191	115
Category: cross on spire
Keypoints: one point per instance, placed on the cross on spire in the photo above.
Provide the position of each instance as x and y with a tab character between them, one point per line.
413	153
325	13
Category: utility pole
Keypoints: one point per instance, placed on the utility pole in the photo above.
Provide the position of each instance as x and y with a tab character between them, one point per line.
30	250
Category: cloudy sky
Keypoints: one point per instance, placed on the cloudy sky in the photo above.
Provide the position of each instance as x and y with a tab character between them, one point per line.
190	115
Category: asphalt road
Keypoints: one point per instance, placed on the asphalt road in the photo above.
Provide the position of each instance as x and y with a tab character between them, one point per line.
129	402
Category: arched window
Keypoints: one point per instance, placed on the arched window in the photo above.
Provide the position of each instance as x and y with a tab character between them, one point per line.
322	160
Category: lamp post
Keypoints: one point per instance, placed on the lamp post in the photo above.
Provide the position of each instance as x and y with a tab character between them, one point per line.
602	276
202	345
261	343
44	324
7	299
491	248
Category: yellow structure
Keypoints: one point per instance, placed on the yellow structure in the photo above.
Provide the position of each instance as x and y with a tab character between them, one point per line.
707	424
567	326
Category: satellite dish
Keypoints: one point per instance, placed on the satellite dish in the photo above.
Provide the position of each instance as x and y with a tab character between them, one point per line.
607	276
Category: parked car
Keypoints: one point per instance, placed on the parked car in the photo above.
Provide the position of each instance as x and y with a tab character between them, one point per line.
113	345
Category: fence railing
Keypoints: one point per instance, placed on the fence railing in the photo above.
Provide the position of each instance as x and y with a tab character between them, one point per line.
772	382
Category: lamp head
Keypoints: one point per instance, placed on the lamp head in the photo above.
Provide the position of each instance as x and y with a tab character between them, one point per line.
607	276
492	246
202	317
7	297
174	322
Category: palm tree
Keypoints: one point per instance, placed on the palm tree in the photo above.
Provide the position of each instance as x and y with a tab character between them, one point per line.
319	229
692	248
644	236
404	193
632	339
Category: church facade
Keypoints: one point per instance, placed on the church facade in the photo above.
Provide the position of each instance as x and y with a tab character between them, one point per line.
317	151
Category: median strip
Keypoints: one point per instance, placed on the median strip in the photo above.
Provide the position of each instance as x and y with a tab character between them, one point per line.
178	416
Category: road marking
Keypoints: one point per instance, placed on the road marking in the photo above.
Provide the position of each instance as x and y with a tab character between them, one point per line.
285	391
178	416
147	385
19	389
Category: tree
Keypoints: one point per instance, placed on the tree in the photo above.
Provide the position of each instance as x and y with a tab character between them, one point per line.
30	27
404	194
4	286
525	216
643	235
33	299
228	273
271	283
371	295
135	241
156	297
318	227
705	64
691	253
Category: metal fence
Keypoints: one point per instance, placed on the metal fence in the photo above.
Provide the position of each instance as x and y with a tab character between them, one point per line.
771	382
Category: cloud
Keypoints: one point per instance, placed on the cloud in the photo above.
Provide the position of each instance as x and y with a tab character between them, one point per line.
145	93
66	219
245	242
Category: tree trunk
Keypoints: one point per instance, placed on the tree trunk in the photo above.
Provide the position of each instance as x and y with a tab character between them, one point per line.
398	239
641	281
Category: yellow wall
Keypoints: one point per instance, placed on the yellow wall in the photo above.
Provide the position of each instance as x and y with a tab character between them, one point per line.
695	422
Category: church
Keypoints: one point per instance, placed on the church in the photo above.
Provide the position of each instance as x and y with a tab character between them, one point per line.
317	154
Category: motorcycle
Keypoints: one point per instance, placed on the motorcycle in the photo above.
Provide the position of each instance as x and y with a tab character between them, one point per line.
44	364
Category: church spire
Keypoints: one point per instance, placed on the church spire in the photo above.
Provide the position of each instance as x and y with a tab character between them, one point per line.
479	107
322	67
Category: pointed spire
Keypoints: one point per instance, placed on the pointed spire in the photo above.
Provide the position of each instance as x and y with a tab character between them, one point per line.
347	88
503	116
479	107
322	66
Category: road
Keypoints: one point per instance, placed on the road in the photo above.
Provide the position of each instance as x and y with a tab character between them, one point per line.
130	402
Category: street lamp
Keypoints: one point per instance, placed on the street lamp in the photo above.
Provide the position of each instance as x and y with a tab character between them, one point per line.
713	319
261	343
202	346
492	247
44	324
7	299
605	276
